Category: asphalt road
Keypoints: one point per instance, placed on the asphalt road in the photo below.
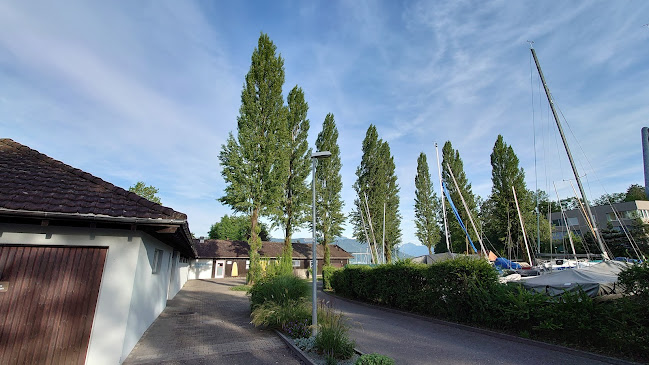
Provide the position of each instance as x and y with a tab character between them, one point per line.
411	340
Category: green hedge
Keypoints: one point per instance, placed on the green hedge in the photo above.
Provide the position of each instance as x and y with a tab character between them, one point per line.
327	273
467	290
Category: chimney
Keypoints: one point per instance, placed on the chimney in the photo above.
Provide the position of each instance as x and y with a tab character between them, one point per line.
201	239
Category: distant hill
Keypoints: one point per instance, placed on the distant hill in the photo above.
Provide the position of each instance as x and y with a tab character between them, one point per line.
413	249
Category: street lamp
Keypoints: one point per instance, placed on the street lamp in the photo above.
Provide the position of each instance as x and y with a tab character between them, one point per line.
314	262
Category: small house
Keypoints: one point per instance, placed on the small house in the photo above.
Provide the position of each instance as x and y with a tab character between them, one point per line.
223	258
85	266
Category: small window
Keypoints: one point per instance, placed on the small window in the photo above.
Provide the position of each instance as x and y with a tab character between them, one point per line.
247	264
296	263
157	261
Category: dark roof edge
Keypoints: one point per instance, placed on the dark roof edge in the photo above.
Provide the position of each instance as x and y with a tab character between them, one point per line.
88	217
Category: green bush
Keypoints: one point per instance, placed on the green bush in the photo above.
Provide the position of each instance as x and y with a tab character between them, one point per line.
332	339
279	289
273	315
467	290
327	273
635	280
374	359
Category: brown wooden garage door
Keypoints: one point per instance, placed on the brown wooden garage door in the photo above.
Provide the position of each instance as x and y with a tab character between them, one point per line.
47	303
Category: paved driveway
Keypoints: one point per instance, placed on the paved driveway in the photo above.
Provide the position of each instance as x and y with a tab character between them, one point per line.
206	323
411	340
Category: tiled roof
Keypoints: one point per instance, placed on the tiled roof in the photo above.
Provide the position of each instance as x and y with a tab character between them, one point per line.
32	181
234	249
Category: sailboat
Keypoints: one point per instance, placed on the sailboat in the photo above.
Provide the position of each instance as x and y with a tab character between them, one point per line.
599	279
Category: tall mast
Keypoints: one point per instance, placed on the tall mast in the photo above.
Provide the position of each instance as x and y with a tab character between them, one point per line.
441	190
598	235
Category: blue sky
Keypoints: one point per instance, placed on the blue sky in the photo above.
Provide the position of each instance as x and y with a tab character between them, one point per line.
149	90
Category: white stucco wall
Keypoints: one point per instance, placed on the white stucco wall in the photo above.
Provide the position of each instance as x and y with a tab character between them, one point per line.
200	269
130	296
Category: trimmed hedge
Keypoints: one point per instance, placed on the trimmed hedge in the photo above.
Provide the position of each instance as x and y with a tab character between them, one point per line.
327	273
467	290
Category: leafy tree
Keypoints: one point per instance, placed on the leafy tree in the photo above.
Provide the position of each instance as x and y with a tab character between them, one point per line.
236	228
254	165
546	205
329	215
502	220
427	206
377	180
295	202
635	192
605	199
451	157
147	192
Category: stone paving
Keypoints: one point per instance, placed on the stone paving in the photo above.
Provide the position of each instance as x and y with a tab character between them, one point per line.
206	323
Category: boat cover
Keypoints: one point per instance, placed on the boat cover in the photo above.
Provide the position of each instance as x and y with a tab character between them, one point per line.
503	263
596	280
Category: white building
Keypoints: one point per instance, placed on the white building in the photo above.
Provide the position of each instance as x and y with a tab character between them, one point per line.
85	266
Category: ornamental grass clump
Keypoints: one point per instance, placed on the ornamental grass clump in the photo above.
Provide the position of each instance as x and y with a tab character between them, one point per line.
280	289
274	315
332	339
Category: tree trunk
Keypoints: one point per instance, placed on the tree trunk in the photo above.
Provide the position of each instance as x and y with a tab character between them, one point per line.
254	273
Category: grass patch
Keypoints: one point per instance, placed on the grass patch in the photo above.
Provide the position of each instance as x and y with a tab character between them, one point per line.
245	288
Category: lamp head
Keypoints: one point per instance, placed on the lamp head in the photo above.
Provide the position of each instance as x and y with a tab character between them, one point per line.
321	154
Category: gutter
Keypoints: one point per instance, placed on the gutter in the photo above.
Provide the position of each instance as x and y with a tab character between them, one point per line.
89	217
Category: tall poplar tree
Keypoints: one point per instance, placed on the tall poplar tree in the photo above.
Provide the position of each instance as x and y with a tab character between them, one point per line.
502	217
294	204
459	242
376	179
329	215
253	162
427	206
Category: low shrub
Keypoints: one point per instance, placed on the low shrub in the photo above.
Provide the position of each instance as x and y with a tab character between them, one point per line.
635	280
297	329
305	344
374	359
273	315
332	339
279	289
327	273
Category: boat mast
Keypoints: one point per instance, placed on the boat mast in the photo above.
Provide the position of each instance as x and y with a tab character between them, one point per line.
598	236
520	217
441	189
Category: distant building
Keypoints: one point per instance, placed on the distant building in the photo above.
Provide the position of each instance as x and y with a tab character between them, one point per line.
604	214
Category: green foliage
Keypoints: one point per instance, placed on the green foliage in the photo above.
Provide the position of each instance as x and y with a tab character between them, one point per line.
427	206
376	179
236	228
295	203
245	288
374	359
147	192
607	199
501	218
327	274
635	192
254	163
297	329
332	338
451	157
305	344
329	203
278	289
635	280
275	315
466	290
281	267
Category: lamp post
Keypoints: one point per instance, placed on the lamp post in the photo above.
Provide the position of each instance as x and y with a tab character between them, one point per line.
314	262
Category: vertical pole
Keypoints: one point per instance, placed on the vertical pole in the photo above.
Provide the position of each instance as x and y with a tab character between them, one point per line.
314	263
384	233
598	235
441	190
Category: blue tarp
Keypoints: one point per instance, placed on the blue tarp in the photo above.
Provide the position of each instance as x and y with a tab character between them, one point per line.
503	263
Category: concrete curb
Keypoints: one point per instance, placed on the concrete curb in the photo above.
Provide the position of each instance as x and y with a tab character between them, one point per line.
301	353
544	345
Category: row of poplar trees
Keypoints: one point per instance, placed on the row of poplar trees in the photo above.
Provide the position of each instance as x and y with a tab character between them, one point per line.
267	164
496	218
